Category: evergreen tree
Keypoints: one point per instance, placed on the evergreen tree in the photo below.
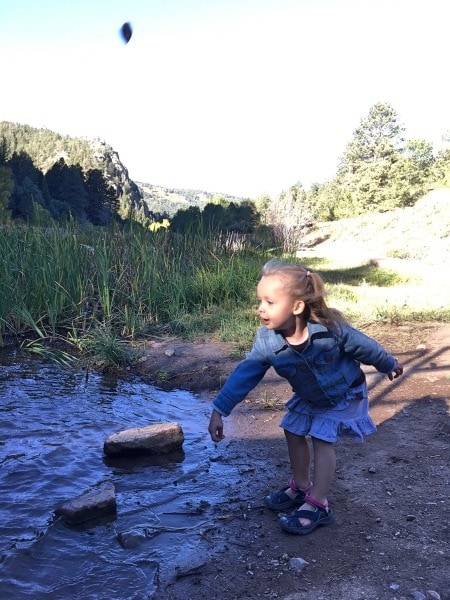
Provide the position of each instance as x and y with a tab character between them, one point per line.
102	201
27	180
240	218
378	136
375	172
26	194
66	184
213	217
262	206
6	191
440	171
4	151
186	220
22	166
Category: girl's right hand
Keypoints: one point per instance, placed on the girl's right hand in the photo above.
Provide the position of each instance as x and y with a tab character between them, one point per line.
397	371
216	427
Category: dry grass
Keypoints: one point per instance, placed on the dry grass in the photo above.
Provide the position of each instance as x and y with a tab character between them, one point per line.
413	242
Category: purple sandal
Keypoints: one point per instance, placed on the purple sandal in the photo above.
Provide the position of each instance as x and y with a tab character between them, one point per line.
322	515
281	501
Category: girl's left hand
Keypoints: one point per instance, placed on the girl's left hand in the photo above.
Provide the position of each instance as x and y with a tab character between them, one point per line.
396	372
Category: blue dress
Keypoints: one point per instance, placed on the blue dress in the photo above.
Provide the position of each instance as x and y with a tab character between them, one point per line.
349	418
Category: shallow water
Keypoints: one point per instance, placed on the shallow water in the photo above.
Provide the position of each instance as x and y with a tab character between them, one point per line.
52	427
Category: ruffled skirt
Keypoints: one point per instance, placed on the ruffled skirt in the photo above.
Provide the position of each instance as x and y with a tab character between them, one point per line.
349	418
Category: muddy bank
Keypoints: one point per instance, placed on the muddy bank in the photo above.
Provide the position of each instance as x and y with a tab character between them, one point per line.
390	539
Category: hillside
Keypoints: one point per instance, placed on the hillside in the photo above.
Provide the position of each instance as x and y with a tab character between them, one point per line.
418	233
46	147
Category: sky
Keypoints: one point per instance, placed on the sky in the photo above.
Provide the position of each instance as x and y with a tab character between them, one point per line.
240	97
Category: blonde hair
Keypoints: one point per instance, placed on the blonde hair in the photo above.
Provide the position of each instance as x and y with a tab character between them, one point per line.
308	286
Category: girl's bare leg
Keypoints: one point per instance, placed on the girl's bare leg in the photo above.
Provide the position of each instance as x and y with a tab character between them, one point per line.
324	469
300	458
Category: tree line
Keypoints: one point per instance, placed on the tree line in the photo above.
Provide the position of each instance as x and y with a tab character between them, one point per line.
379	171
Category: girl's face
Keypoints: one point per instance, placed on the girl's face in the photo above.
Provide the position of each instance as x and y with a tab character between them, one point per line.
277	309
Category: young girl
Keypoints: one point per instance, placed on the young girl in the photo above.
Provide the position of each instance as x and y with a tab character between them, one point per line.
314	348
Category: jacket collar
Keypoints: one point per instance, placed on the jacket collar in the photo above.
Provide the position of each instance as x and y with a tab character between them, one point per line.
278	342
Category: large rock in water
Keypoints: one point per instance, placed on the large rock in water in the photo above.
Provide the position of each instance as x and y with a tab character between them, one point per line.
161	438
94	504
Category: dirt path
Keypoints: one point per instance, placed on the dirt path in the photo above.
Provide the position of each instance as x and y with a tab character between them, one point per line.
390	539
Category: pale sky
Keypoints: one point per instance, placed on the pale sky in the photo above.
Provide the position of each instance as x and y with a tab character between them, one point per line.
242	97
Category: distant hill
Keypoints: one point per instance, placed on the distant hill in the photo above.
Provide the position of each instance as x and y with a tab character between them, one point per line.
163	200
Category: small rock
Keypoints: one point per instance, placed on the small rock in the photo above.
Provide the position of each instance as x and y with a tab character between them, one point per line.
95	504
169	352
372	470
131	538
432	595
418	595
274	563
297	563
410	517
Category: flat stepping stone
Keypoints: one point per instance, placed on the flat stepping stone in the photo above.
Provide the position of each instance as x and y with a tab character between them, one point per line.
161	438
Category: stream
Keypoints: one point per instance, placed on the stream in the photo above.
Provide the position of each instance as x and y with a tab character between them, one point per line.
53	423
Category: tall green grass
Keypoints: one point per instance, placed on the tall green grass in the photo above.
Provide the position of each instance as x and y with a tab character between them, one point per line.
124	279
92	286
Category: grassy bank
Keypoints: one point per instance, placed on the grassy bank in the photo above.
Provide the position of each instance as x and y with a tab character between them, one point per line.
97	289
78	283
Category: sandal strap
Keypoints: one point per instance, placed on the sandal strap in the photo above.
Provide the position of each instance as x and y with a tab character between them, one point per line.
315	502
311	515
296	489
293	485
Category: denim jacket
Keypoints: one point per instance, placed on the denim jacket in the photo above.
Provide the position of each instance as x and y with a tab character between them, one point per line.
320	374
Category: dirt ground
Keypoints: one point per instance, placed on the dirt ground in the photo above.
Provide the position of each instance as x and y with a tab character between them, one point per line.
390	539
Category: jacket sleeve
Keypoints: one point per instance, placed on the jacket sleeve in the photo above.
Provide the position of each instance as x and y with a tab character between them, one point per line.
242	380
366	350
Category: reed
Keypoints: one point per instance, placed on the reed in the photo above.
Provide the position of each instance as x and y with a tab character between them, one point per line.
126	279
